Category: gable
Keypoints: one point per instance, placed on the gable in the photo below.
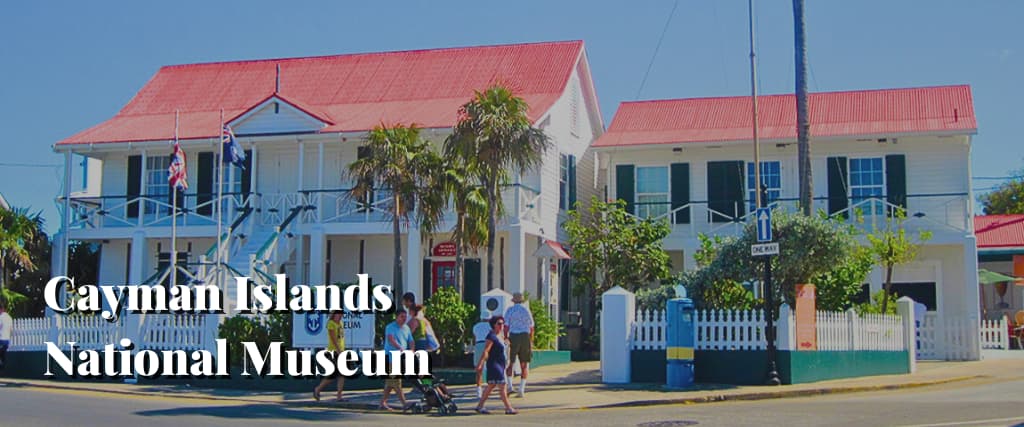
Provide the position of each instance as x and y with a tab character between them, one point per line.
275	116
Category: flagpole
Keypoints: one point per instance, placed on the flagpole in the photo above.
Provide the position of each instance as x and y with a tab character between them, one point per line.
220	196
174	214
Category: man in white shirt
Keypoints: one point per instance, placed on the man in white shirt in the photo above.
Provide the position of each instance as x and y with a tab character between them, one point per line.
519	324
6	329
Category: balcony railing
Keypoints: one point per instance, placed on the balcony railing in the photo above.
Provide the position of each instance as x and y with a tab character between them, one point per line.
935	212
522	203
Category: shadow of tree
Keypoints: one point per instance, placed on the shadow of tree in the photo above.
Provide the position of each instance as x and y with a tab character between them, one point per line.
253	411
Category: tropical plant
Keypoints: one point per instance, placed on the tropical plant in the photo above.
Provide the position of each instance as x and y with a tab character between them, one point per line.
837	288
803	123
18	227
611	247
494	135
1007	198
451	319
238	329
876	305
545	329
401	164
890	246
461	184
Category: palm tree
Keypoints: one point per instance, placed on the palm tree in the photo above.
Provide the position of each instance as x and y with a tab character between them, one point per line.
803	126
402	165
17	227
494	135
461	183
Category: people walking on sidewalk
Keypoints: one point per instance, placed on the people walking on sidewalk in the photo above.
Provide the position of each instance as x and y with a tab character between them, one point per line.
397	337
336	344
6	330
494	362
520	337
480	331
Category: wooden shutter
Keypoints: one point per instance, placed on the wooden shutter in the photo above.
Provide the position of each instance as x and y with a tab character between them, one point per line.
725	191
134	187
572	182
625	187
896	180
680	192
427	277
838	179
204	183
246	174
471	280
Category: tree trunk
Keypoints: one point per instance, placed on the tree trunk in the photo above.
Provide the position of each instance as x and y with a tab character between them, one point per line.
491	230
3	276
803	127
460	282
397	230
887	287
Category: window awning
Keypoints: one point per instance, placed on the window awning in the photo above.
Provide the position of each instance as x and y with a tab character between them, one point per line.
551	249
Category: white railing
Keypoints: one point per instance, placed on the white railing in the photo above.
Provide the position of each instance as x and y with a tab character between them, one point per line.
847	331
731	330
31	334
179	331
151	210
88	332
947	338
995	334
649	330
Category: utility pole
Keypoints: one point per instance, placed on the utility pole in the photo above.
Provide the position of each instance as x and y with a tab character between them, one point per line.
803	126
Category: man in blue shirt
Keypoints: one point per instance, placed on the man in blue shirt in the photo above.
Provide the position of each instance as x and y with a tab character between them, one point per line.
397	336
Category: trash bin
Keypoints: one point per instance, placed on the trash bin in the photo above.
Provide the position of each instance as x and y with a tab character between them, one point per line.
679	342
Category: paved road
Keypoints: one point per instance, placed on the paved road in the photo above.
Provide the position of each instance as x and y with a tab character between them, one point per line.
976	403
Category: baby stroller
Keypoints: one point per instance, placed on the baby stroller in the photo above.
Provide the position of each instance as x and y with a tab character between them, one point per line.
435	395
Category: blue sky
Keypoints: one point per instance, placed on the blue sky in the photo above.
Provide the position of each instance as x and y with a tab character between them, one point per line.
65	66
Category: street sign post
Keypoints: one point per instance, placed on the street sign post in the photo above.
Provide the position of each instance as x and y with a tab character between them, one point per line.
764	249
764	225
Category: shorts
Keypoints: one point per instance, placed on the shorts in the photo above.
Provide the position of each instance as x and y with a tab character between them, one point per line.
393	382
521	347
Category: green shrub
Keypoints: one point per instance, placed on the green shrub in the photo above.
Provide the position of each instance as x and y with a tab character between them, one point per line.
545	329
875	306
452	320
239	329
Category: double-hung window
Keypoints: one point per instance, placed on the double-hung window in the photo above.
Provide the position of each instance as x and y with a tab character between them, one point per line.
867	182
232	187
157	186
771	177
652	192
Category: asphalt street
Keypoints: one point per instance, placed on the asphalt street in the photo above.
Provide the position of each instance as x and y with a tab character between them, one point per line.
986	402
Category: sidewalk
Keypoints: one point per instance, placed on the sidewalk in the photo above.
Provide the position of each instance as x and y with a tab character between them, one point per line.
577	386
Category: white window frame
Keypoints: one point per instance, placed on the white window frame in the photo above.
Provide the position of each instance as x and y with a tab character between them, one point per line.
157	185
563	181
777	191
879	208
652	211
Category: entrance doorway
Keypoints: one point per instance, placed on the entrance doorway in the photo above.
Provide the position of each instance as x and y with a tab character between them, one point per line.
443	275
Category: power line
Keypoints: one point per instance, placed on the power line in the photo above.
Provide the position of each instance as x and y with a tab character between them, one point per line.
30	165
656	49
998	178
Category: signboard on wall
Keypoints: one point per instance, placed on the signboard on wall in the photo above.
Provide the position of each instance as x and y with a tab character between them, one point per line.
444	249
309	330
806	318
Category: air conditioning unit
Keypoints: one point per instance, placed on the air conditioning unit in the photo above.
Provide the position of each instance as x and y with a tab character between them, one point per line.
494	303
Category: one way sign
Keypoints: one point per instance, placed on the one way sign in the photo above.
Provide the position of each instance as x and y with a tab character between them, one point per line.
764	224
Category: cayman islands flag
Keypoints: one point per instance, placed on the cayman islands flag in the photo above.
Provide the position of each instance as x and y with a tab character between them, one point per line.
233	152
177	173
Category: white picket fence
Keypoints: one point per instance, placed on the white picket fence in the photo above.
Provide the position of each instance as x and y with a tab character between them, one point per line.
995	334
31	334
179	331
846	331
88	332
948	338
649	330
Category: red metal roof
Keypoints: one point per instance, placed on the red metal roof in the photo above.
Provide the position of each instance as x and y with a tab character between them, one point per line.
999	231
852	113
352	92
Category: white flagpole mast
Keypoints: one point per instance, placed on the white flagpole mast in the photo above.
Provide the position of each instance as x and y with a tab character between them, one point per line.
220	196
174	214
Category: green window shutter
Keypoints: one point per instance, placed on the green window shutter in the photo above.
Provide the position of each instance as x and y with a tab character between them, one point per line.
204	183
896	180
837	185
365	201
471	280
427	274
680	173
725	191
625	187
572	182
247	174
134	185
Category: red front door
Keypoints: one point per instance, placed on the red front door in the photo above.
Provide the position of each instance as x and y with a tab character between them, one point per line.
443	274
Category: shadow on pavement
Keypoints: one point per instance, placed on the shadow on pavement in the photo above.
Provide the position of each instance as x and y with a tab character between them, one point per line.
254	411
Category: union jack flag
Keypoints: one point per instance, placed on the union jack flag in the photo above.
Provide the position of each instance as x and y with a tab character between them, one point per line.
177	173
233	152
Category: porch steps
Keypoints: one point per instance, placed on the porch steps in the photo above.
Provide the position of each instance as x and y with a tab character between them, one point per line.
240	259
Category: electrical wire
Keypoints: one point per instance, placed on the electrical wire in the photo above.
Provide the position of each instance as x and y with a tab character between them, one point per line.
656	49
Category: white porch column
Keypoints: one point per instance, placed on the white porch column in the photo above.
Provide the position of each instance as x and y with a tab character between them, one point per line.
972	299
516	260
317	257
300	258
136	274
905	308
617	317
413	263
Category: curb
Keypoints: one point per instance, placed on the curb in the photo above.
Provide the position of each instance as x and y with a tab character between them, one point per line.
779	394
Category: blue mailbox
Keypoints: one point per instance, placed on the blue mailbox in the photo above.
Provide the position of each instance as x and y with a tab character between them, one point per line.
679	342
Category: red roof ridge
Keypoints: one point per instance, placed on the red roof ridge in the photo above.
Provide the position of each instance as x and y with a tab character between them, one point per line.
772	95
387	52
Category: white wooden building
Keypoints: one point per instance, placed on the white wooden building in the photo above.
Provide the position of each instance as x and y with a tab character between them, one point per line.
302	122
691	161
